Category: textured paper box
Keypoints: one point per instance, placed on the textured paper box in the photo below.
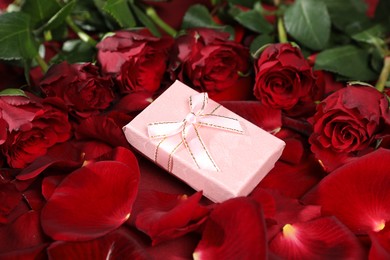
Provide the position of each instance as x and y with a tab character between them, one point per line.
243	159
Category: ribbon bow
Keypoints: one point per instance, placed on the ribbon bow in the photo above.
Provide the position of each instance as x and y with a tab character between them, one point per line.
188	128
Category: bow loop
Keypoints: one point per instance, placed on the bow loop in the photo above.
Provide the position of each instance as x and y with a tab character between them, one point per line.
190	136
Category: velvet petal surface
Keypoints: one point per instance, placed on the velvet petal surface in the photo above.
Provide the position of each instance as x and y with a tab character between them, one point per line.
91	201
234	230
357	193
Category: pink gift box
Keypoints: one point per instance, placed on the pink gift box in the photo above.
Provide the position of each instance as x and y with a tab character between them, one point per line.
241	160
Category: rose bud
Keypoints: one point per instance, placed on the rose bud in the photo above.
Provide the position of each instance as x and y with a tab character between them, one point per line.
347	125
80	86
208	61
137	60
285	80
33	126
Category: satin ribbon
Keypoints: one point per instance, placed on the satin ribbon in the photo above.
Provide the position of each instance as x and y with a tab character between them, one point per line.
187	130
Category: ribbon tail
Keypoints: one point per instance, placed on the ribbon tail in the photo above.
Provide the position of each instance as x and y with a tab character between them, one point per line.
164	129
221	122
198	150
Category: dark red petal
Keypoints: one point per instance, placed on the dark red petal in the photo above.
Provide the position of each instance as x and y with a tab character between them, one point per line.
119	154
287	210
50	183
380	244
9	199
235	230
165	216
263	116
36	252
34	198
91	201
22	233
63	156
134	102
293	180
357	193
324	238
115	245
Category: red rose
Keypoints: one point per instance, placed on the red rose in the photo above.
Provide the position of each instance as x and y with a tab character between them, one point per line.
33	126
348	123
79	86
136	60
213	63
285	80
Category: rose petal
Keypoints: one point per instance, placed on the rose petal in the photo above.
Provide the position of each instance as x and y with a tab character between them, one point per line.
115	245
357	193
22	233
63	156
36	252
134	102
91	201
263	116
293	180
50	183
324	238
235	230
9	199
380	244
165	216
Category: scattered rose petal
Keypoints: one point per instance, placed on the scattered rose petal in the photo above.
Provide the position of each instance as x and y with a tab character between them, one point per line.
63	155
323	238
293	180
36	252
115	245
165	216
22	233
9	199
380	243
357	193
91	201
50	183
235	230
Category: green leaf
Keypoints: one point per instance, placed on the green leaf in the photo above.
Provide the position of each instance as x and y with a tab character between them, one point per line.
348	61
120	11
197	16
258	43
12	92
16	41
372	35
74	51
348	15
308	22
59	18
252	20
40	11
146	21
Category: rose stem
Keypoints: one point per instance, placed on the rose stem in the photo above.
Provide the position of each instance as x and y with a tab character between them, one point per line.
83	36
157	20
281	30
41	62
380	85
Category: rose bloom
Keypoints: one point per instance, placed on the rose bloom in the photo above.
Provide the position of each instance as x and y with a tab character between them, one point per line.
285	80
208	61
80	86
33	125
348	123
137	60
